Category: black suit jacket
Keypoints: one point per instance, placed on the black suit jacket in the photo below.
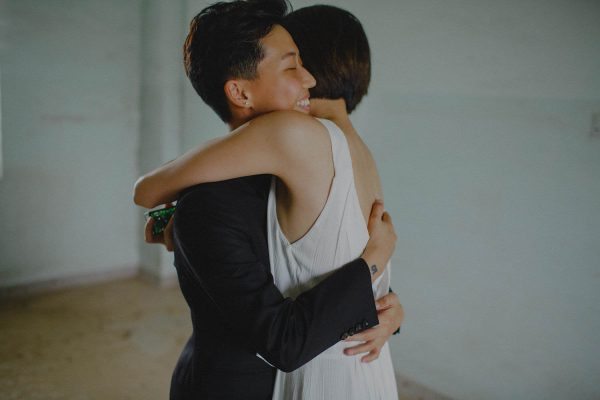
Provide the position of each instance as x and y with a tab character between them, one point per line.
222	262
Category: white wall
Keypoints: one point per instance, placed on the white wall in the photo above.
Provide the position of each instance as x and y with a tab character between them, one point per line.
70	115
3	22
479	115
161	104
200	122
1	152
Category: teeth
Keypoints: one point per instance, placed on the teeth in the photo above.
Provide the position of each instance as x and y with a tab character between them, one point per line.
304	103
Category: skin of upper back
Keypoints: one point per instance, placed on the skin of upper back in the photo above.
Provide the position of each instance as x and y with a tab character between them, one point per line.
302	195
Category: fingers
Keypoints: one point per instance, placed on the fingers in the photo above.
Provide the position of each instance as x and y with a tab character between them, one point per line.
391	318
376	211
382	303
373	341
386	217
165	237
372	356
365	347
366	335
150	238
372	348
386	318
148	230
386	301
168	235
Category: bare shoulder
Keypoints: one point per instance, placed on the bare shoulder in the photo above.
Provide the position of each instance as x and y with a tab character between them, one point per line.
299	143
292	133
292	128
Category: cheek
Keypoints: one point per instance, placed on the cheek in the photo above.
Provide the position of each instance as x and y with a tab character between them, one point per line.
280	94
292	90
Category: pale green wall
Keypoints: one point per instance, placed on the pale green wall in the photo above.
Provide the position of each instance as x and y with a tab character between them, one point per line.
200	121
1	152
70	115
479	116
164	27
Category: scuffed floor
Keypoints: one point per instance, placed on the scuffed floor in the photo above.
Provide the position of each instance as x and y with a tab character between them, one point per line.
118	340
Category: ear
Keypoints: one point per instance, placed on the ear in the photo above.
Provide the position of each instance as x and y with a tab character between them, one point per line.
236	93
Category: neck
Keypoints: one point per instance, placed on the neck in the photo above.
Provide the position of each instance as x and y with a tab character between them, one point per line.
235	123
334	110
239	116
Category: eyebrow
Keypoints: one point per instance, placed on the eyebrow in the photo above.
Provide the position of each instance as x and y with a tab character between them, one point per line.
289	54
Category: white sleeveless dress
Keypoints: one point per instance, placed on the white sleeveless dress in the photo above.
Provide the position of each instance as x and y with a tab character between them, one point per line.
339	235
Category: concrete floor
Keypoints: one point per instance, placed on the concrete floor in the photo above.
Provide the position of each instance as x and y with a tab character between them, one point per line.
116	340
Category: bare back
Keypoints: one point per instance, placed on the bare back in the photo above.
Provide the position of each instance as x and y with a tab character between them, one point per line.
302	197
366	176
337	236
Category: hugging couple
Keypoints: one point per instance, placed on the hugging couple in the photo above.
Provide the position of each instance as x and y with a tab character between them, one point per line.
281	241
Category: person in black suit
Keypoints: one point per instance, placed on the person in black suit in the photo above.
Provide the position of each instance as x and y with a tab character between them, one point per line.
237	313
240	319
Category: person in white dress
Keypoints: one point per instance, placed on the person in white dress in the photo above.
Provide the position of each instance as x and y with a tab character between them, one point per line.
325	182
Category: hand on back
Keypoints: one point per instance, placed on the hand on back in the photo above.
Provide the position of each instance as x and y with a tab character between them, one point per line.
382	240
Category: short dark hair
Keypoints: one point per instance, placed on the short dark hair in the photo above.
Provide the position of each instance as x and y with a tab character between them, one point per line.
224	43
334	48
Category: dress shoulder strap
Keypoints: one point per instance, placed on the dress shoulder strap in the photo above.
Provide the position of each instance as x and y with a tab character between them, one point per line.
342	162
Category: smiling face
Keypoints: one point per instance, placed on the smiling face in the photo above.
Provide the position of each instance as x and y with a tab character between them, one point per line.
282	83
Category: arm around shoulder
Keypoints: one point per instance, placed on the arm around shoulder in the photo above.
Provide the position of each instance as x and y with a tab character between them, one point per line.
273	143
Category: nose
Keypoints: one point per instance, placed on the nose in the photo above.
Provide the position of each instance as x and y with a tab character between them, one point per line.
308	81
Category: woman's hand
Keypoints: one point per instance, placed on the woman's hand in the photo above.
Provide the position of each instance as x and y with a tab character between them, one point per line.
390	314
382	240
165	237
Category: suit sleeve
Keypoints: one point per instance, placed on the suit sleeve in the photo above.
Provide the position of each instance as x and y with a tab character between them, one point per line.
287	333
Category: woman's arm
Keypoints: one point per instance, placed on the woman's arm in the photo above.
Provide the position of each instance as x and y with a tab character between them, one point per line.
279	143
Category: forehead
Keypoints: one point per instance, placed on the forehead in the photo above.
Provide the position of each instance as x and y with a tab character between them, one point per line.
277	44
